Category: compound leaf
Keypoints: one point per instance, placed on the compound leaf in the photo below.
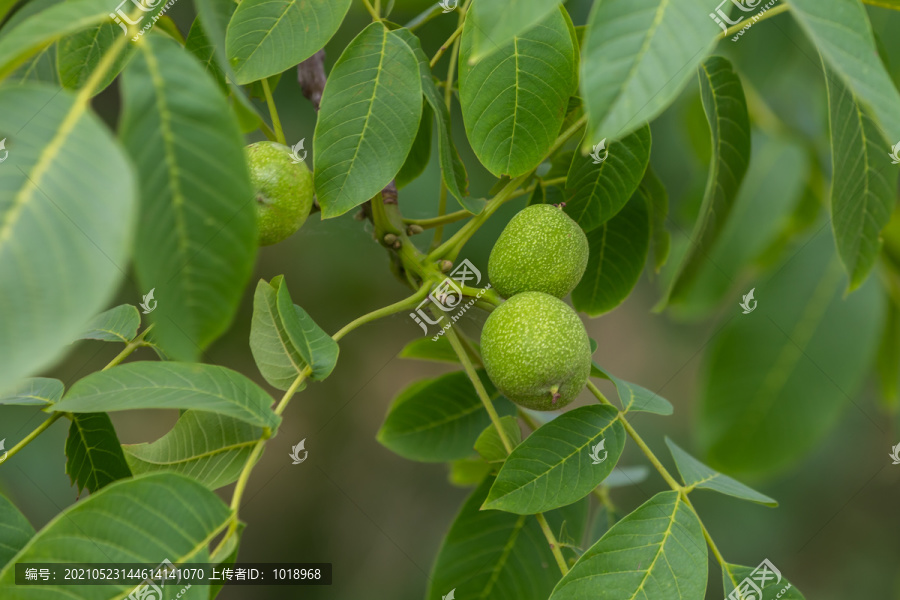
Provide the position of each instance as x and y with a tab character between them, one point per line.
317	348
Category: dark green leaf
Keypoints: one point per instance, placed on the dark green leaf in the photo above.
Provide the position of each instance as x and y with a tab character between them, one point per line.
438	420
199	43
657	552
772	585
419	154
318	349
657	198
368	119
79	54
207	447
197	240
596	192
274	352
560	463
633	397
514	101
617	253
695	474
490	446
15	530
94	457
171	385
119	324
34	391
265	38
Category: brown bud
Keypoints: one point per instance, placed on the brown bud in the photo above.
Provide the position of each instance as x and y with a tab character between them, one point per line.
311	76
389	193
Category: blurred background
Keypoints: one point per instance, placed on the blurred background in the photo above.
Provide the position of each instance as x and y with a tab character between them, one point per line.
380	518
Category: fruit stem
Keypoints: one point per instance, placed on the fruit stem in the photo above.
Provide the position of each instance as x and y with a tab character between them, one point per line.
273	112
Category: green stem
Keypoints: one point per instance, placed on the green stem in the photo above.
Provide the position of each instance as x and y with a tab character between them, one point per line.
709	541
371	10
444	219
273	111
452	39
30	437
769	13
602	494
554	545
396	307
129	348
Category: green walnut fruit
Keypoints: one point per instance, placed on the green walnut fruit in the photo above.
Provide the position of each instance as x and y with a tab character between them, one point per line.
541	250
284	191
536	351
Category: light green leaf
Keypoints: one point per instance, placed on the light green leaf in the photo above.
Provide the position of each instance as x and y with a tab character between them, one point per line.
841	31
94	457
367	121
792	365
40	30
266	37
275	355
79	54
171	385
695	474
864	182
774	586
617	253
654	192
595	193
207	447
318	349
34	391
497	555
560	463
496	23
15	530
159	528
514	101
42	66
438	420
657	552
197	240
633	397
439	350
729	123
636	57
453	170
119	324
490	446
57	247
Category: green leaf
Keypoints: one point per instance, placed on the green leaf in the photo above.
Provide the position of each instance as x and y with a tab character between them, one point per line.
636	57
42	66
44	28
657	198
265	38
171	385
560	463
467	472
119	324
201	45
420	153
275	355
595	193
626	476
496	23
695	474
617	253
318	349
58	249
453	171
633	397
439	350
439	420
773	587
226	557
159	527
15	530
34	391
207	447
841	31
79	54
94	457
792	365
864	182
888	360
368	119
729	123
490	446
514	101
197	240
498	555
658	552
